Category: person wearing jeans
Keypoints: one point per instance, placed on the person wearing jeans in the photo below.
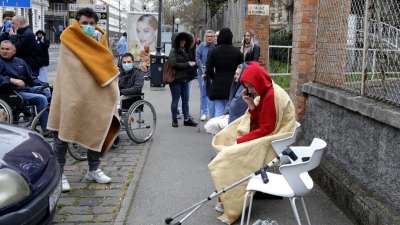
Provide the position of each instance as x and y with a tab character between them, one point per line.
179	60
17	74
39	97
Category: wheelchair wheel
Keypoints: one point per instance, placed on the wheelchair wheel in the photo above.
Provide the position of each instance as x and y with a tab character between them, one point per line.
77	152
6	115
35	125
140	121
116	143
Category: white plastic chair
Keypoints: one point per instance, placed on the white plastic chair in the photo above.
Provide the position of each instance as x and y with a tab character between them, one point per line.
293	182
281	144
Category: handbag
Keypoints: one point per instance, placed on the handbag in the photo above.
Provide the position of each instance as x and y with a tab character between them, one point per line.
168	73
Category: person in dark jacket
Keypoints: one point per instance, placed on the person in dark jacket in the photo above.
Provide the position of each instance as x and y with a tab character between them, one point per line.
16	74
250	49
7	25
44	45
130	78
24	40
179	60
236	107
221	66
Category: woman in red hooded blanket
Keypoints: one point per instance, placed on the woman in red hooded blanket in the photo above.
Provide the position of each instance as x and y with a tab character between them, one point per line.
263	115
245	144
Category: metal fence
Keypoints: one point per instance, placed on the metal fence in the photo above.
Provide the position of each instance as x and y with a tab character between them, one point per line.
358	47
230	15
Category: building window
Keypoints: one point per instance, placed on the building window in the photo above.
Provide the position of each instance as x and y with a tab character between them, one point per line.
272	17
279	17
35	16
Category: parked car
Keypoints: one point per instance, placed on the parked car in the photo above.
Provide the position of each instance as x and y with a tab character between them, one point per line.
30	177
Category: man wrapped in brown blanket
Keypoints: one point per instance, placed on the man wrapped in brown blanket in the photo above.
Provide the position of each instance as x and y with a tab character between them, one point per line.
84	104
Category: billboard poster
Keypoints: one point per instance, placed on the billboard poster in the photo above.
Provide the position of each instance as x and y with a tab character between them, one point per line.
141	31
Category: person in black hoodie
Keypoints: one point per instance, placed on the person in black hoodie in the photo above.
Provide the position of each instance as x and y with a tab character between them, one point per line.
222	62
44	45
179	60
24	40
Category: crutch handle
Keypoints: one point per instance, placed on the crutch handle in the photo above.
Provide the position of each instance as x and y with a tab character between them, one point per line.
264	176
289	152
177	223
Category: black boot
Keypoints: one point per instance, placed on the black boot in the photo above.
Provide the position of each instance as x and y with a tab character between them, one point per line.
174	122
189	122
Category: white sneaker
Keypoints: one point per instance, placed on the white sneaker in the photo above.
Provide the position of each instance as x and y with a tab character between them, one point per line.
203	117
98	176
65	184
219	208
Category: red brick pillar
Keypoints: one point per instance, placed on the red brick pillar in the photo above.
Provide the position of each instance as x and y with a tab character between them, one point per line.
304	42
260	25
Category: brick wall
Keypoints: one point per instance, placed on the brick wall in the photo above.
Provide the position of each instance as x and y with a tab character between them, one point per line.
304	45
260	25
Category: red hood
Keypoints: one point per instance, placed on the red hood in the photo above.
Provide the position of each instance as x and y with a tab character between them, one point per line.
255	75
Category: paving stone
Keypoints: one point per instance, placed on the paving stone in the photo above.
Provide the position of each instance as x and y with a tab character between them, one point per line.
110	168
128	155
108	193
117	159
117	185
84	193
70	168
66	200
78	185
90	201
70	173
79	218
124	163
120	173
110	201
74	210
133	159
103	210
74	179
119	179
105	217
58	218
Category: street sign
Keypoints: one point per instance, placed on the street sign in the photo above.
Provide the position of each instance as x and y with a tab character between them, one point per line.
101	10
17	3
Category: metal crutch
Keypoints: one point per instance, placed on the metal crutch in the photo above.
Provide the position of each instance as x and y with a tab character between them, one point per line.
195	207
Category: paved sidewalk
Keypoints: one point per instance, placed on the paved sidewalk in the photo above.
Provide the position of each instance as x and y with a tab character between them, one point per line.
164	176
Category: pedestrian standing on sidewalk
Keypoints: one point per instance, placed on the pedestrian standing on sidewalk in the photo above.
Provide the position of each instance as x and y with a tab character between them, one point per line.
221	66
179	60
250	49
44	45
24	40
7	25
201	59
85	95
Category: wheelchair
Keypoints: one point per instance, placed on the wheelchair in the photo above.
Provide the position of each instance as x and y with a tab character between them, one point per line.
13	109
138	119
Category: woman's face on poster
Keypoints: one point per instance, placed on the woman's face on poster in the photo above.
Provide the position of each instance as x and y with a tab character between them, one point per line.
145	33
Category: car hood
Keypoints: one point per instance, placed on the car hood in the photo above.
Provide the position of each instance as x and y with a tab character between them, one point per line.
23	151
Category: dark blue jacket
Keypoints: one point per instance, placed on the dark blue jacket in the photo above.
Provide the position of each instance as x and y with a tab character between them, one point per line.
18	69
27	47
236	106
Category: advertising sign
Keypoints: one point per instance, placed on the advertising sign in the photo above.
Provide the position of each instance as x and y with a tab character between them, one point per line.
101	10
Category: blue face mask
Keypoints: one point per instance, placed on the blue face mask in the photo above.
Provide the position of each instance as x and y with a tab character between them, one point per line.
7	25
127	67
89	30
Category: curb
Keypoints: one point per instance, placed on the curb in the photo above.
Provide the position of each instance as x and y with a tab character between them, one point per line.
131	191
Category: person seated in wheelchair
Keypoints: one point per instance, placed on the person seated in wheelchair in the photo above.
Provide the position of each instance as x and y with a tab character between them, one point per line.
130	78
16	75
130	81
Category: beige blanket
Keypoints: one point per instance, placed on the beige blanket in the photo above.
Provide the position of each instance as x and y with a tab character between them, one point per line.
84	105
236	161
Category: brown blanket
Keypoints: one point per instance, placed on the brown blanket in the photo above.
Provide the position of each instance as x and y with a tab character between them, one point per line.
237	161
85	95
